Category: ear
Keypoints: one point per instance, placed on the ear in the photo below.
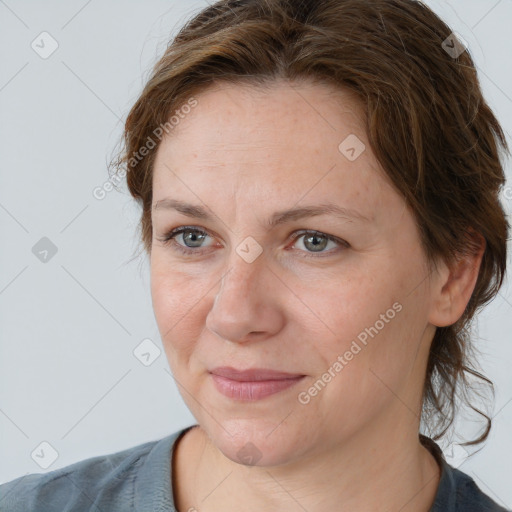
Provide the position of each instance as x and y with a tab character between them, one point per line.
454	284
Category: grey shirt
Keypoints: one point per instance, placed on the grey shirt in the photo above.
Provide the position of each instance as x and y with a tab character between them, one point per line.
138	479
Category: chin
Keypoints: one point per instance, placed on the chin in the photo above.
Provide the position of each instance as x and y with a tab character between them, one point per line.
255	442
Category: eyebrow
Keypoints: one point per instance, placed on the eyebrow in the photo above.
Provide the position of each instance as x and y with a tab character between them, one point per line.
279	217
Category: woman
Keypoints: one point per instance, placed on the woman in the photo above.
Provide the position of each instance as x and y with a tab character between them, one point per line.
319	185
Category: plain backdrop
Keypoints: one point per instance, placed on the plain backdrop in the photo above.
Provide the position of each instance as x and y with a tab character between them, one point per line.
69	325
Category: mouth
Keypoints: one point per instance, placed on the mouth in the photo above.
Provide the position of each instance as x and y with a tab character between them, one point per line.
253	384
253	374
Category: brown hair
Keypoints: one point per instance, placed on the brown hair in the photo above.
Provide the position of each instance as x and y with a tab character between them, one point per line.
426	121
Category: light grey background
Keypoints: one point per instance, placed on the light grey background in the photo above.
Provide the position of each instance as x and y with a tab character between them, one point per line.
68	375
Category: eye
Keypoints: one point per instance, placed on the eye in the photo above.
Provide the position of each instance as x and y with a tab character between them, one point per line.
316	242
192	238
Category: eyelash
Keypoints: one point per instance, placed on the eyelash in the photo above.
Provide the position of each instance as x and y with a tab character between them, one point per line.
169	237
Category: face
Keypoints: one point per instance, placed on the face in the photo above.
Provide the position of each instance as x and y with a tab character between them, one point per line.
339	297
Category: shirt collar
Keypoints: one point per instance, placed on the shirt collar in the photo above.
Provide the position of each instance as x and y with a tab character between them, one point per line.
153	484
446	495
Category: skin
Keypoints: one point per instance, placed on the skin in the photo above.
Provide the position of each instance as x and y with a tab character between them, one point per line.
244	153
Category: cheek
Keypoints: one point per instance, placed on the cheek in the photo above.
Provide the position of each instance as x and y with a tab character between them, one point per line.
176	298
358	306
366	368
375	325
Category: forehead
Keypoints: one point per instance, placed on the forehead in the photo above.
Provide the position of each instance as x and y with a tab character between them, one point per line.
278	114
244	140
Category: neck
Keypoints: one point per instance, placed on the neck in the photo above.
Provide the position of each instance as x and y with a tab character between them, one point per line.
378	468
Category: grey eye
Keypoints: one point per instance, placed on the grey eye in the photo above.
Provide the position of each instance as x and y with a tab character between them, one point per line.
192	237
315	242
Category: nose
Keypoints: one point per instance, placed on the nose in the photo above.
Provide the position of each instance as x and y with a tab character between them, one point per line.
246	306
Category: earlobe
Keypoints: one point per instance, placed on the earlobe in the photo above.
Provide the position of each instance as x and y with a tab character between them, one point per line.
455	285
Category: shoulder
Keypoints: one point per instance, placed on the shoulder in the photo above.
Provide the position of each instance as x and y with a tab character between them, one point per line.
469	497
457	491
106	482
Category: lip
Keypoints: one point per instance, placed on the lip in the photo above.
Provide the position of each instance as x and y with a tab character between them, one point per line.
253	374
253	384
